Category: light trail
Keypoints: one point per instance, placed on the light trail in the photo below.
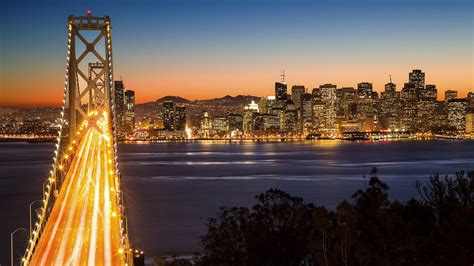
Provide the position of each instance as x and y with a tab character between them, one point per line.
84	227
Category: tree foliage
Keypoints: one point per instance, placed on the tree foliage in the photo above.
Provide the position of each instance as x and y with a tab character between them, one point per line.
436	229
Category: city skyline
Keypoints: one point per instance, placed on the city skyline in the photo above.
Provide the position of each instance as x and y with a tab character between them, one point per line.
211	49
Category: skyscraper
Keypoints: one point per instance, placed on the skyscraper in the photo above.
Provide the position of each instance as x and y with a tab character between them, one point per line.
119	103
129	111
281	89
417	78
457	109
168	115
389	106
296	92
329	98
408	100
180	111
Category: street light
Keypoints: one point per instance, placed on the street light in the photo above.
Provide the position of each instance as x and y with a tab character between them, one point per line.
31	204
11	243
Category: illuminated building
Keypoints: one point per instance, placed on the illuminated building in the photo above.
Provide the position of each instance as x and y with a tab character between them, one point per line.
408	99
290	121
329	98
168	115
470	122
180	118
119	107
296	92
219	126
417	78
364	89
306	113
389	106
457	109
129	111
450	94
234	122
205	125
281	90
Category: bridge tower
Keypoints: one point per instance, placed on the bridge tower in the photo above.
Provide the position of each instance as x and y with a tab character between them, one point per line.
89	85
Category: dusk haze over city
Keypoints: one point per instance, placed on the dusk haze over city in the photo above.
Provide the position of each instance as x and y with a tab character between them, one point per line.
225	132
208	49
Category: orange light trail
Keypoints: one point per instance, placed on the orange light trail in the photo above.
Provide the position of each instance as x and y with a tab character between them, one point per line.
83	227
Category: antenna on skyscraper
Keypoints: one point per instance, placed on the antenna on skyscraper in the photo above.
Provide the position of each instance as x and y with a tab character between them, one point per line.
390	78
283	75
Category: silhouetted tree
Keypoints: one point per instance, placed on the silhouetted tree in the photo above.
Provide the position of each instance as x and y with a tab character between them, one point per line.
437	229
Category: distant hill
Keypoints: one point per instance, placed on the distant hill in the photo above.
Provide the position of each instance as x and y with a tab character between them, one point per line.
226	100
175	99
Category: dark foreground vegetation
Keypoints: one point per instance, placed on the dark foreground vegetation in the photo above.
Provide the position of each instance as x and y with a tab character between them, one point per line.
436	229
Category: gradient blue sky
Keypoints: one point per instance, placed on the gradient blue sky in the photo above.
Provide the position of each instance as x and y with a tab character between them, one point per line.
201	49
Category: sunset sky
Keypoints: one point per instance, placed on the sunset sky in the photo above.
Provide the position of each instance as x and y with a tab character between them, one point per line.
204	49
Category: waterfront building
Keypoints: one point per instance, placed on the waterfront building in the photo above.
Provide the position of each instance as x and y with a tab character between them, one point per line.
234	122
205	125
457	109
470	122
219	126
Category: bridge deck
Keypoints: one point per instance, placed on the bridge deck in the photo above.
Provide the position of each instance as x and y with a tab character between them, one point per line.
84	225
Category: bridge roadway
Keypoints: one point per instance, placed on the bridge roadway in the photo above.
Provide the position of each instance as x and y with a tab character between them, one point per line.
84	225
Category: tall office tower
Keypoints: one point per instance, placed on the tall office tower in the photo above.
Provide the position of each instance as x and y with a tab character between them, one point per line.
119	102
306	123
129	111
389	106
347	98
168	115
180	118
364	89
296	92
329	98
290	121
450	94
457	109
426	109
408	100
417	78
281	89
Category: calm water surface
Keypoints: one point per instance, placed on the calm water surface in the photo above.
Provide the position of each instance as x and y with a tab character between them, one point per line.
170	188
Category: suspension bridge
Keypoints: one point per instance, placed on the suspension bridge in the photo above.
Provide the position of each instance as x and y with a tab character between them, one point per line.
81	220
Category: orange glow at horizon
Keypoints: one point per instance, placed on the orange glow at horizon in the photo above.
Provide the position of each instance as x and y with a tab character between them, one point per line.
208	82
